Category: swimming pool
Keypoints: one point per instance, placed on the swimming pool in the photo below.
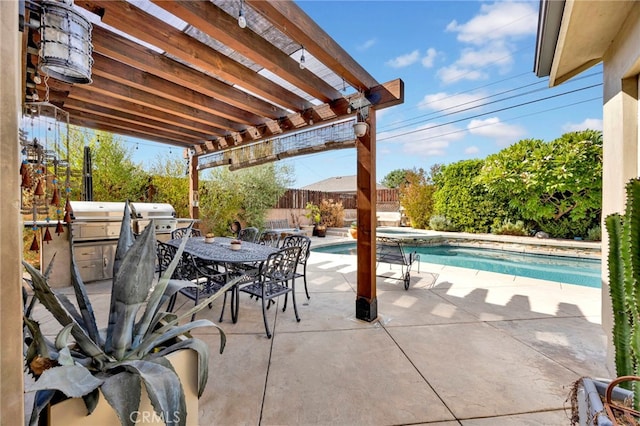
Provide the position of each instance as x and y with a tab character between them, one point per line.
570	270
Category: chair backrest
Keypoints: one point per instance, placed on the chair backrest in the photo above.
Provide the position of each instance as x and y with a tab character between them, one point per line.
269	238
301	241
248	234
180	232
281	265
185	270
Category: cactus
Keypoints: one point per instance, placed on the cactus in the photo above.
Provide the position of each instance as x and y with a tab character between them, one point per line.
624	281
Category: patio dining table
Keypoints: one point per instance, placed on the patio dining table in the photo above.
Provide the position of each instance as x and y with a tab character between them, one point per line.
219	252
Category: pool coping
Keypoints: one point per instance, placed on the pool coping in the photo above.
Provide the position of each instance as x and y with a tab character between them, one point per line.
519	244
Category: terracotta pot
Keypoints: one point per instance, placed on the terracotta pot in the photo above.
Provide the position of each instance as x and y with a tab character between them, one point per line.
354	233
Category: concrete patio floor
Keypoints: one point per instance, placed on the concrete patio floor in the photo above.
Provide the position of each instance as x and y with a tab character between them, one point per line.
460	347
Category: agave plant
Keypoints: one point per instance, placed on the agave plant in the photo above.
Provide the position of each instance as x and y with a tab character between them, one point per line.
84	360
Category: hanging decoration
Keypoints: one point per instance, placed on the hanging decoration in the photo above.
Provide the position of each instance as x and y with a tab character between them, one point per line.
44	137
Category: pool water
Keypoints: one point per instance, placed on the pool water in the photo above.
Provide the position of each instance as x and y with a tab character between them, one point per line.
570	270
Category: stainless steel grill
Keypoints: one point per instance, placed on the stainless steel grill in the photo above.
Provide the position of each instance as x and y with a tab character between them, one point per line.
162	214
95	220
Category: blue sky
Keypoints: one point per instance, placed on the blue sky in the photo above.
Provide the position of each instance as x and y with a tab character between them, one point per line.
470	89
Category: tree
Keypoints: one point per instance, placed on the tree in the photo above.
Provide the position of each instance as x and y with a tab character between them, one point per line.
557	185
395	178
416	196
243	195
115	176
169	183
466	204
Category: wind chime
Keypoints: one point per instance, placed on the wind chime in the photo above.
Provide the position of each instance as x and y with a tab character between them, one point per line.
44	128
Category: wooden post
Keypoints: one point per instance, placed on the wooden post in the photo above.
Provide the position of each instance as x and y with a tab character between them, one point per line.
366	300
11	358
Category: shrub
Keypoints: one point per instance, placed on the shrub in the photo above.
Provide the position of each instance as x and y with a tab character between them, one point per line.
509	228
594	234
332	213
440	223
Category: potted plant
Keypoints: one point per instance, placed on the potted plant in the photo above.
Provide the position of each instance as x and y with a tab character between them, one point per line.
136	348
624	289
313	214
353	230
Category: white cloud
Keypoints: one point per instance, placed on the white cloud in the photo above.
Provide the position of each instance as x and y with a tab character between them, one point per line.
493	128
367	44
492	33
404	60
589	123
496	53
472	150
424	141
500	20
454	73
446	102
429	58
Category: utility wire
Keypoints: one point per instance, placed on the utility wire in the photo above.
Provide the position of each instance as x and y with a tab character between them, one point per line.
492	112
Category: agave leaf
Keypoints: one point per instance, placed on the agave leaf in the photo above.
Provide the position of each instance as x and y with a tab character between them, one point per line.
72	380
64	357
130	291
203	358
84	304
91	400
63	337
156	295
39	345
40	402
71	309
163	335
47	271
163	387
125	241
50	301
122	391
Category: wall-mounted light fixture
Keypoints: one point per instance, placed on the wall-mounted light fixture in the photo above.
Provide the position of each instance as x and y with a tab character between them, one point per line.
65	46
242	21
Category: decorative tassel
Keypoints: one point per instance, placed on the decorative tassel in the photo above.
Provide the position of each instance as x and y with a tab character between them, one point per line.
55	199
34	244
39	188
59	228
47	236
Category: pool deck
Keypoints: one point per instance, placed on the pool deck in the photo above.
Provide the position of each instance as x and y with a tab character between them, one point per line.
460	347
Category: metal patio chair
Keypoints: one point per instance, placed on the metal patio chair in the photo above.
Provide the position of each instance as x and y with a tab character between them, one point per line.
304	243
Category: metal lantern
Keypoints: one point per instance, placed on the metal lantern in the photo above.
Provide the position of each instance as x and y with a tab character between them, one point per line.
65	46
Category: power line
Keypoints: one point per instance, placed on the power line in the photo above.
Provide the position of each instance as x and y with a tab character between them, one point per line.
492	112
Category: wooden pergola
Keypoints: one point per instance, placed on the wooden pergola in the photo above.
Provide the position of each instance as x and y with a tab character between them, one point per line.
186	74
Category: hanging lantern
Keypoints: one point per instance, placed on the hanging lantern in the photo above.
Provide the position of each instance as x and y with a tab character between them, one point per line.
65	46
55	199
47	236
39	188
34	244
59	228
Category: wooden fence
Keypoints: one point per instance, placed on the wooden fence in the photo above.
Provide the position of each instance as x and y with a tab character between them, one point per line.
298	198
